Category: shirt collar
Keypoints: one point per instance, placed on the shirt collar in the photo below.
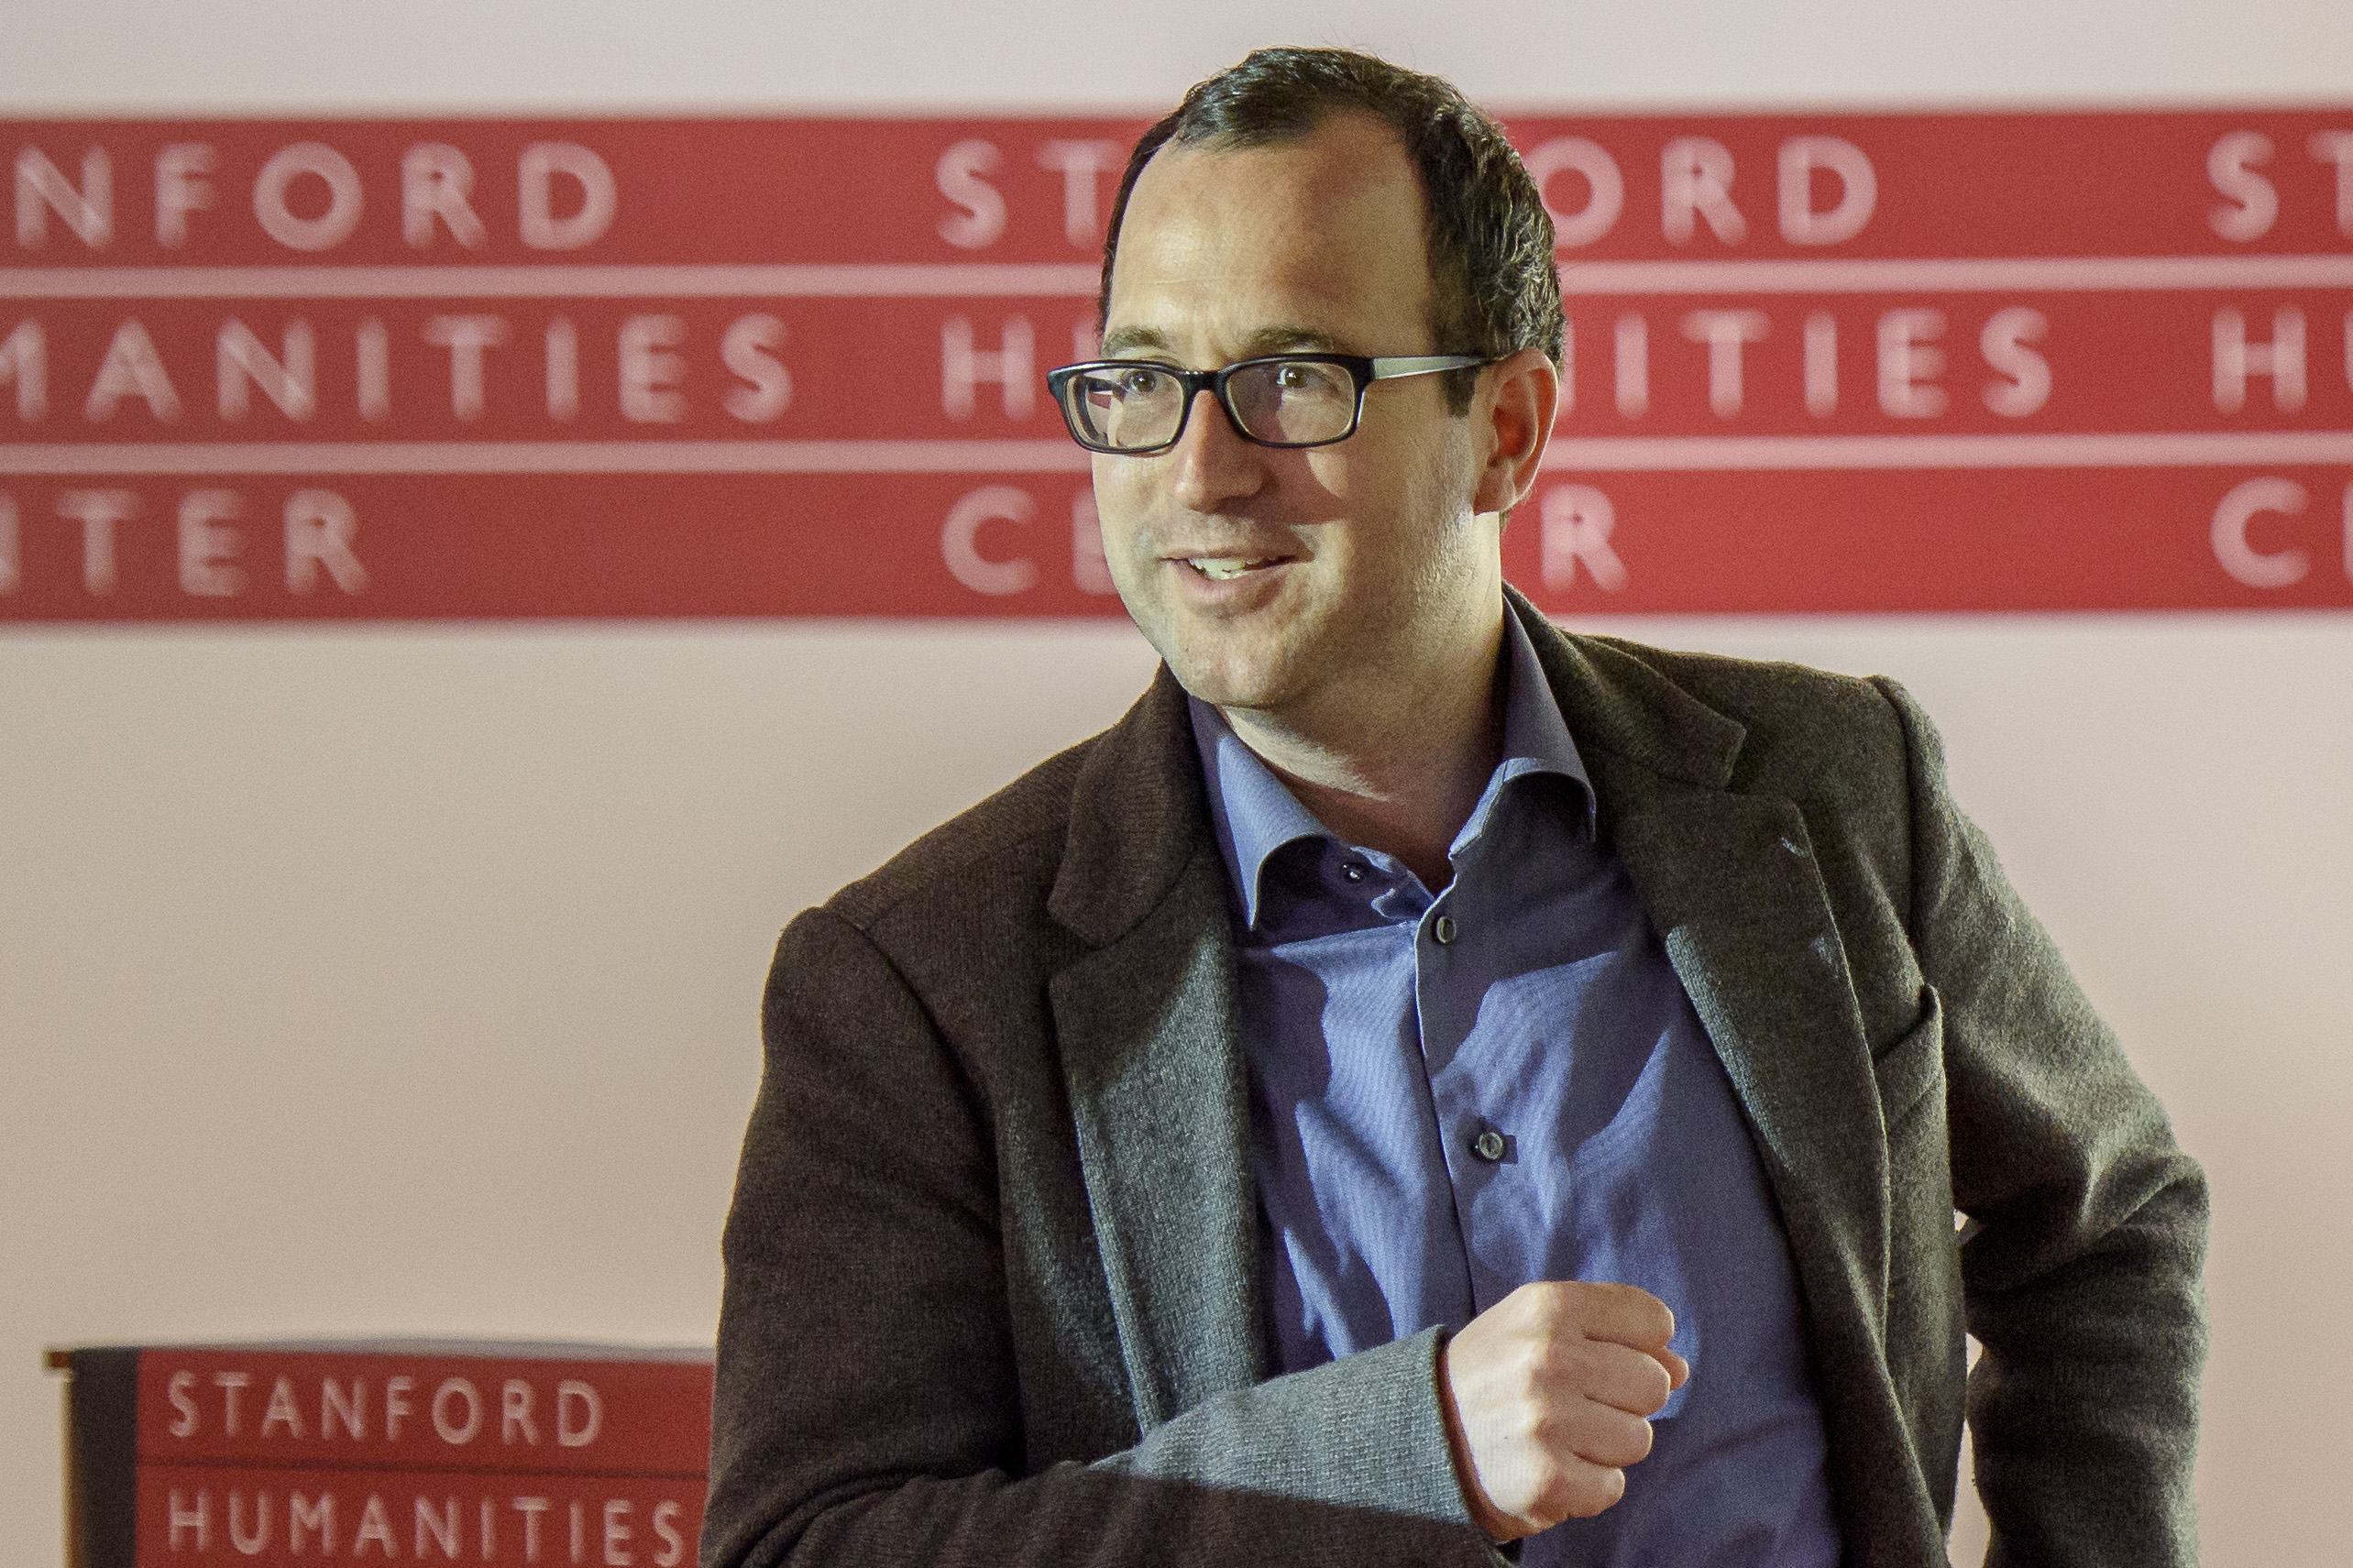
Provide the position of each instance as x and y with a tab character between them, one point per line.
1255	814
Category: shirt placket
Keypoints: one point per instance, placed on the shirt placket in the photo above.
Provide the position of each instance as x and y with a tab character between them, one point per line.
1476	1150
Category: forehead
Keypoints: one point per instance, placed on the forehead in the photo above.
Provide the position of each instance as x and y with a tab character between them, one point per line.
1317	236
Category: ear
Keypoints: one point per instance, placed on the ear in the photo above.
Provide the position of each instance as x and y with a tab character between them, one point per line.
1514	416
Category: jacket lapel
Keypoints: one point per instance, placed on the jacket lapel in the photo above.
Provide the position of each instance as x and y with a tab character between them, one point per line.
1730	885
1153	1066
1731	889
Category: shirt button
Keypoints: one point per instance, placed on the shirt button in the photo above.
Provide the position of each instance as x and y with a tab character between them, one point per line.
1443	928
1488	1146
1354	870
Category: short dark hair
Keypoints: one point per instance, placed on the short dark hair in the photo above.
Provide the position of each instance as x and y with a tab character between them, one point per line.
1494	282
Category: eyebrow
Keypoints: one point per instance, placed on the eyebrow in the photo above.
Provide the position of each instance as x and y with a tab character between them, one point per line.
1266	340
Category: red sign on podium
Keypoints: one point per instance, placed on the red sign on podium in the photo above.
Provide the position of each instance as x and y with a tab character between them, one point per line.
376	370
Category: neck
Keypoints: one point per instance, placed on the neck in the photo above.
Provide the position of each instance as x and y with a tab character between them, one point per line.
1400	767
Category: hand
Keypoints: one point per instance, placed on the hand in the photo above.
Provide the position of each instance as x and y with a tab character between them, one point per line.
1545	1396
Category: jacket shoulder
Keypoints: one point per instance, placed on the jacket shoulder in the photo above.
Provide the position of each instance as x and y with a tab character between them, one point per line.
1772	693
1836	747
1804	732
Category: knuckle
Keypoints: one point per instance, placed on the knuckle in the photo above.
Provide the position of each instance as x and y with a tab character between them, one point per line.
1529	1375
1546	1302
1586	1366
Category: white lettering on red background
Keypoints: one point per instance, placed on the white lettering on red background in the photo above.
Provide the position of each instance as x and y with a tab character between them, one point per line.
308	197
324	1409
402	370
473	1517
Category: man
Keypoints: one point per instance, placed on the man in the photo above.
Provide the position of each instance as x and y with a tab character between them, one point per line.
1420	1081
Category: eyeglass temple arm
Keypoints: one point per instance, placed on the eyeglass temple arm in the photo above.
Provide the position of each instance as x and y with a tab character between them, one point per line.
1423	364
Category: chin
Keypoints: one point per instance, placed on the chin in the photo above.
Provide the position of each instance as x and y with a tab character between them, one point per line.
1224	663
1211	683
1225	682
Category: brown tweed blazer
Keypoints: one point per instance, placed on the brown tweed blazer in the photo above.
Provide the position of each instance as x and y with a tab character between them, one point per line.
992	1287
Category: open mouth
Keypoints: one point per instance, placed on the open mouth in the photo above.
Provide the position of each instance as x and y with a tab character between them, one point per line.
1225	568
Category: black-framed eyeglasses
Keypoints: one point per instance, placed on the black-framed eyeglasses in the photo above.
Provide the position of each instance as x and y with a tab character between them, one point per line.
1136	407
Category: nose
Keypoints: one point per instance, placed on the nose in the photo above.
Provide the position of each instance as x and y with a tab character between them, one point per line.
1211	463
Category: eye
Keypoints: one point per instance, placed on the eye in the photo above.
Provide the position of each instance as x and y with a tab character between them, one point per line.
1308	379
1137	382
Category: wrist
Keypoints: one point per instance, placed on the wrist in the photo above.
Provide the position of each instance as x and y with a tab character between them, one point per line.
1482	1511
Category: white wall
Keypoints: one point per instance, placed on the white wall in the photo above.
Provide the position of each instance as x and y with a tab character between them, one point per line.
404	981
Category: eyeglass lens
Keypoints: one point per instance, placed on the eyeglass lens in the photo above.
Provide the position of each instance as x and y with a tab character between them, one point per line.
1291	402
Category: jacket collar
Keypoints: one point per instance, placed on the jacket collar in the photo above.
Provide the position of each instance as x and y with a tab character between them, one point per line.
1138	816
1616	703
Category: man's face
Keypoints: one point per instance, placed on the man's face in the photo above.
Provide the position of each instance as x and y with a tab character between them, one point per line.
1292	581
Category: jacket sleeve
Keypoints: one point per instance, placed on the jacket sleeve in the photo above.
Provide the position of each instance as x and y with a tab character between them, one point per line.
2085	1230
868	1403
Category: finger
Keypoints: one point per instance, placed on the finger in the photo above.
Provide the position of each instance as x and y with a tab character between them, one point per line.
1629	1380
1627	1315
1678	1371
1601	1435
1581	1489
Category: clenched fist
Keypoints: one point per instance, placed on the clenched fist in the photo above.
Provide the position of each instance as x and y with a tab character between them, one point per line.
1546	1396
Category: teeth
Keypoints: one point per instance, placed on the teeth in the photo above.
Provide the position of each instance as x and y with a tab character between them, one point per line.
1220	568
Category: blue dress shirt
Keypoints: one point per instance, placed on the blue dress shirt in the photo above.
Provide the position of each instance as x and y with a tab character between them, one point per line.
1452	1096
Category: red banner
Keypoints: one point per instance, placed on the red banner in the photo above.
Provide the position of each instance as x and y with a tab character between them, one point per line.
510	369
